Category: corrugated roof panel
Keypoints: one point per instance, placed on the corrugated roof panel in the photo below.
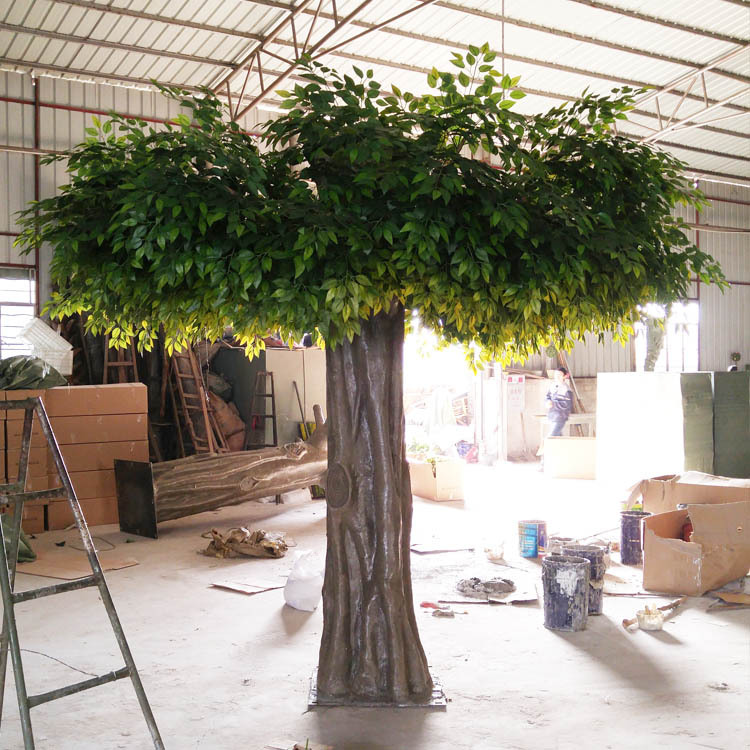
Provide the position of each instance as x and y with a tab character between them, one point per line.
466	21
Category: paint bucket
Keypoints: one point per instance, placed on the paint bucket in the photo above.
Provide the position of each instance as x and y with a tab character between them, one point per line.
532	538
555	544
565	580
595	555
631	536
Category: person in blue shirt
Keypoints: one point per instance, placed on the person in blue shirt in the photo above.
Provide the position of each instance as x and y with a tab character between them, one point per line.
559	401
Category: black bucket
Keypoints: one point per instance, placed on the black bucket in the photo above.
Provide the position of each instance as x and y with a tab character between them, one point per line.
565	580
595	555
631	536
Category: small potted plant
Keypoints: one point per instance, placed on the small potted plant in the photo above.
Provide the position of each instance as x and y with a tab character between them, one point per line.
735	357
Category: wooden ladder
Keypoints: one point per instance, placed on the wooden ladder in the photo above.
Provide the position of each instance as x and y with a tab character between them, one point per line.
124	359
255	433
193	413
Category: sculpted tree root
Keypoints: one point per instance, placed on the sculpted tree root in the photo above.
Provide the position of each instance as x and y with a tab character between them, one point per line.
148	494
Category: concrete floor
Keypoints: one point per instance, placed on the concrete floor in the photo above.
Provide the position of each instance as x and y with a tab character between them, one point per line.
225	670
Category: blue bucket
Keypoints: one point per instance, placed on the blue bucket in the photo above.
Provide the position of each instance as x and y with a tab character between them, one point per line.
532	538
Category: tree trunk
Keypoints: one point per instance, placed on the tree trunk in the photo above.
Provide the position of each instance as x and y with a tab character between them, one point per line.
370	650
203	482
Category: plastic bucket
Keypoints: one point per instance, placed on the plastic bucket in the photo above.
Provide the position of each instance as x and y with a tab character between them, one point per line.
595	555
565	580
532	538
631	536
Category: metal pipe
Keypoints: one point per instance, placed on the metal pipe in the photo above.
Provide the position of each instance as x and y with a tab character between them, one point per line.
77	687
37	187
87	40
58	588
698	280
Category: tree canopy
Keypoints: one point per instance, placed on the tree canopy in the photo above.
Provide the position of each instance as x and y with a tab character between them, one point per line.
504	231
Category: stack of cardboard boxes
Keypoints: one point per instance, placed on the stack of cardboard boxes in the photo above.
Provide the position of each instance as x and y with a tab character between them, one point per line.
93	425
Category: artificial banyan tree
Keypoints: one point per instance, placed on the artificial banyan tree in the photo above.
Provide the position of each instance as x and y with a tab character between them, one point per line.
363	207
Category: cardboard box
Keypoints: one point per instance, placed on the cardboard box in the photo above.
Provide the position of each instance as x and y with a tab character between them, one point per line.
718	552
16	414
40	461
32	520
570	457
75	400
96	511
662	494
87	484
443	480
84	429
80	457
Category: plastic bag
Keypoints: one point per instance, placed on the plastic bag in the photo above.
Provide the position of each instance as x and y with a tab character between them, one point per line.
24	372
304	587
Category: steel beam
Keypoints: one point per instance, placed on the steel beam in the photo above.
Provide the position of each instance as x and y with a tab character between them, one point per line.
693	74
143	16
310	51
691	119
541	92
112	45
592	40
660	21
266	39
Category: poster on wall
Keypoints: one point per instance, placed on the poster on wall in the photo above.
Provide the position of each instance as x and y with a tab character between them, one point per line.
516	392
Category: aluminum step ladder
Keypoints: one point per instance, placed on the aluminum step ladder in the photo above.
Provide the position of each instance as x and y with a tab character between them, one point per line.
15	495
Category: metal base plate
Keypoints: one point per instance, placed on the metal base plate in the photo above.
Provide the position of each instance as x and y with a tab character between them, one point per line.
135	497
438	700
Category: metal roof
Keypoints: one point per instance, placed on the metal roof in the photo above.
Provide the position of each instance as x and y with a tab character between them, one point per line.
695	54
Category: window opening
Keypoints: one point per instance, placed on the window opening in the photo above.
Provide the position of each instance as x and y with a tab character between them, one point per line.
17	308
673	349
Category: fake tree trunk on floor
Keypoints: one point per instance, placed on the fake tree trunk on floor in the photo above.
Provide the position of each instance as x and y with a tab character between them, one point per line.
370	650
367	196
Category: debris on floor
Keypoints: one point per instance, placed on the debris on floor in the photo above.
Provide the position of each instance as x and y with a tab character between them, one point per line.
443	612
480	589
720	686
72	565
243	542
652	618
247	588
730	598
434	548
292	745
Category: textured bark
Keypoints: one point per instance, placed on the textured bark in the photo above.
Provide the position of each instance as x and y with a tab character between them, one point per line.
209	481
370	650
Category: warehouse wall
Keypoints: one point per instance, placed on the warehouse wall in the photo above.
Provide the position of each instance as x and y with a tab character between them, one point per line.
723	318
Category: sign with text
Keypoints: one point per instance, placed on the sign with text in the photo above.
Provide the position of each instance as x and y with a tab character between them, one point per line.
516	392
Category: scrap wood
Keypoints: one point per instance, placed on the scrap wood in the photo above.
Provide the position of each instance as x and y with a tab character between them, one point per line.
292	745
731	597
242	541
489	600
70	567
666	608
423	548
247	588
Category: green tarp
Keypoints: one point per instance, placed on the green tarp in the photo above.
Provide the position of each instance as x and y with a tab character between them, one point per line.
26	372
25	553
